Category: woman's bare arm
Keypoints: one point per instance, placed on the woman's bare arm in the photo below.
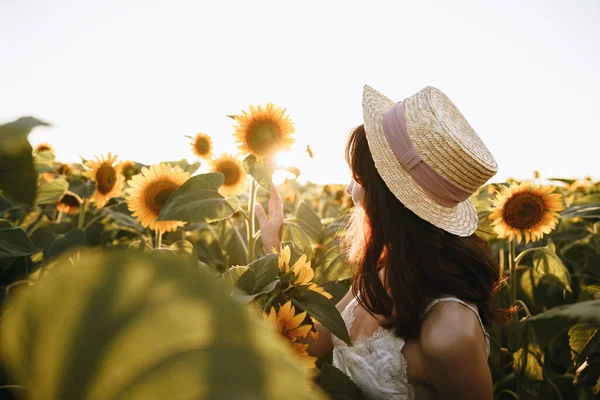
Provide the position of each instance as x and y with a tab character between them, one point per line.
324	344
454	356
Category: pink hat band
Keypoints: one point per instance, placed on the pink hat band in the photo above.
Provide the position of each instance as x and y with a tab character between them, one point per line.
438	187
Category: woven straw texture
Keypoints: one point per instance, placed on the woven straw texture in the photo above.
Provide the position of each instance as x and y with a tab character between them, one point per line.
443	138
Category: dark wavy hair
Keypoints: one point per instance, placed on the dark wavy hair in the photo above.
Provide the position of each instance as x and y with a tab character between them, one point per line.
421	261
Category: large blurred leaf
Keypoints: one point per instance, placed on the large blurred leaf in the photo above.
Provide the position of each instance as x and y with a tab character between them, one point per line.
261	170
18	177
198	200
549	324
337	384
143	326
62	242
51	192
591	211
323	310
14	242
43	161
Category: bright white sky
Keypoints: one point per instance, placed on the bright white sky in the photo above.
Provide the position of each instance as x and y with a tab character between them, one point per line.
134	76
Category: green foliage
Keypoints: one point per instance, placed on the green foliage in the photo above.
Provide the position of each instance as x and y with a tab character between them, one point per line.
323	310
260	170
17	174
14	242
51	192
135	325
549	351
337	385
198	200
259	278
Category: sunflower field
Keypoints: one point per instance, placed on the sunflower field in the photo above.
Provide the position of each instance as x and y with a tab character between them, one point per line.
127	281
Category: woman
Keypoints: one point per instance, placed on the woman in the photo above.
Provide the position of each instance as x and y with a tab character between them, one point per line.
419	302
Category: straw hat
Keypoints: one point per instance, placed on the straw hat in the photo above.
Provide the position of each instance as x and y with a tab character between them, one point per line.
445	145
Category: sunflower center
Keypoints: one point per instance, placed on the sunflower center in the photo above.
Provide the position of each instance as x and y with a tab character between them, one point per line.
106	176
523	210
202	146
264	137
231	172
157	194
69	200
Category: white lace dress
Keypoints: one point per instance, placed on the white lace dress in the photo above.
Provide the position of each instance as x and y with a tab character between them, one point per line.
375	363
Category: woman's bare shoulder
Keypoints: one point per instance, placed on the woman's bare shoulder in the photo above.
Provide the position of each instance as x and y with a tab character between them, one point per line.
452	346
448	328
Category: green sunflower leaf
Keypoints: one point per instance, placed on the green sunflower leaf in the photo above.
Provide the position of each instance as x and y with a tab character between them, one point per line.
133	325
323	310
198	200
51	192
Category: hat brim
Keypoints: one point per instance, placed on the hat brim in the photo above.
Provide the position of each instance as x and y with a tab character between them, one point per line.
461	220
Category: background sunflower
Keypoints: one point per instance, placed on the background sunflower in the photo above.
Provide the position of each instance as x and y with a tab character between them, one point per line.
263	132
107	175
43	147
129	169
148	192
69	203
202	146
525	210
236	181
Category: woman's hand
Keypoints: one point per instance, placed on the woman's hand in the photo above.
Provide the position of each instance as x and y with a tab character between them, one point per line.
270	226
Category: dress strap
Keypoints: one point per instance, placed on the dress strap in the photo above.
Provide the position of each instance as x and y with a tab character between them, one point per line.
470	307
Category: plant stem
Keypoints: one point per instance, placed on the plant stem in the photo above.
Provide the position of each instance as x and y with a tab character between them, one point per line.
158	239
513	274
59	217
82	211
272	299
502	256
251	227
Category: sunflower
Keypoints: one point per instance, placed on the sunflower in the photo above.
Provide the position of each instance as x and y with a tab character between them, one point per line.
108	178
148	192
525	210
43	147
289	325
202	146
236	181
64	169
303	272
128	169
69	203
284	259
263	132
